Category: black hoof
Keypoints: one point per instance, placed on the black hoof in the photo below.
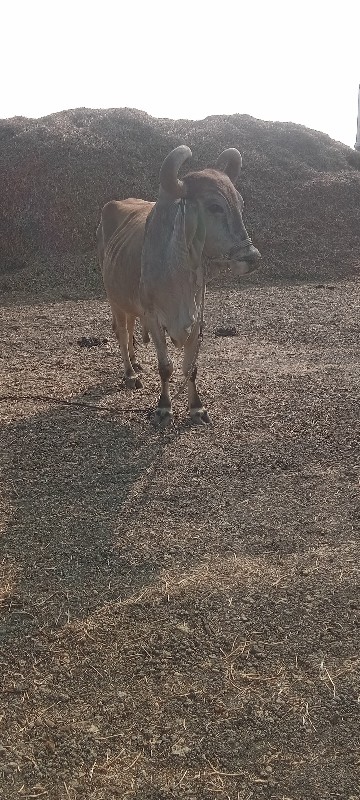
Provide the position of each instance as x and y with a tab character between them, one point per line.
199	416
162	418
132	382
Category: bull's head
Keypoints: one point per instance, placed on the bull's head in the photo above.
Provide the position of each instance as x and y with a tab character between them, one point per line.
207	222
214	207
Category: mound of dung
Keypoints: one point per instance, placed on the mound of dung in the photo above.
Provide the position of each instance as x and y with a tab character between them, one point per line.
301	189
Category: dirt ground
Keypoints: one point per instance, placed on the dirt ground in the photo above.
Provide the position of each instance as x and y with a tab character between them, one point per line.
180	608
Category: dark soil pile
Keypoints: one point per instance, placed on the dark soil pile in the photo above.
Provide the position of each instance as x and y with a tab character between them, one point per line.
301	189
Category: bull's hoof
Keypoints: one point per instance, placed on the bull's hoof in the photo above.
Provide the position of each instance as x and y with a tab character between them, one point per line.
199	416
132	382
162	418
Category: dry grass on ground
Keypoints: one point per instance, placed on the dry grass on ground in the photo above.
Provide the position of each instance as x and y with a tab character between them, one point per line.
180	609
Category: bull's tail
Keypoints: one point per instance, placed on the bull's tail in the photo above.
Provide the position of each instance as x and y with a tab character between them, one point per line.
100	244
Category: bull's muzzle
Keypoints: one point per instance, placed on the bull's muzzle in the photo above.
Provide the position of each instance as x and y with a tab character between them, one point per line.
245	252
244	259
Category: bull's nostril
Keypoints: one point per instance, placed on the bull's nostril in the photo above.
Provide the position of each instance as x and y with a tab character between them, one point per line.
247	252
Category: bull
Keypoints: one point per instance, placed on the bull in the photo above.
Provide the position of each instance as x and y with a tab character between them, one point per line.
153	257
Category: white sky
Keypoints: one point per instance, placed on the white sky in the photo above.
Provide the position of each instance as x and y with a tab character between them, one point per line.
291	61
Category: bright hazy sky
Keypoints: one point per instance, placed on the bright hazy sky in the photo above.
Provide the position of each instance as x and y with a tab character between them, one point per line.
291	61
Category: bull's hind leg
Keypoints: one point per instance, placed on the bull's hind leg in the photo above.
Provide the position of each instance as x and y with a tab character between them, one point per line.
198	414
163	414
119	326
131	327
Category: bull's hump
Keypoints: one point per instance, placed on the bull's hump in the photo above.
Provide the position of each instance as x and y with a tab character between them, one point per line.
133	211
134	204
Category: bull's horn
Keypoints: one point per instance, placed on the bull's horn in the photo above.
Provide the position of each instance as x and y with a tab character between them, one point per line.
169	180
230	161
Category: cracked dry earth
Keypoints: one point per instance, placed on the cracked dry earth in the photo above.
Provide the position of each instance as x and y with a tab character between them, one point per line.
179	609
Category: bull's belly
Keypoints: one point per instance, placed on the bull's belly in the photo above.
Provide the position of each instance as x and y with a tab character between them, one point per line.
127	303
122	288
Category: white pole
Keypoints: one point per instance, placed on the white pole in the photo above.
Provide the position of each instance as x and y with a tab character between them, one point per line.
357	143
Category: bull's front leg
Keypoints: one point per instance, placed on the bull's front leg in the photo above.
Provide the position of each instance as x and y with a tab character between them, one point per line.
198	414
162	417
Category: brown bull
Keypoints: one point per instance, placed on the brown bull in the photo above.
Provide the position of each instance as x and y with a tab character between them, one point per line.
153	259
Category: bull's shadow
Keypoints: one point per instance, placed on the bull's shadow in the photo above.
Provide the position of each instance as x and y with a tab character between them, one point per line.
97	503
67	474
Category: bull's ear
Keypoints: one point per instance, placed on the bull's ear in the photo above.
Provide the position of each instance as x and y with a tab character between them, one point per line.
195	230
230	162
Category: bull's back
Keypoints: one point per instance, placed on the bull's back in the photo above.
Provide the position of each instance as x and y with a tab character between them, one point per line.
120	237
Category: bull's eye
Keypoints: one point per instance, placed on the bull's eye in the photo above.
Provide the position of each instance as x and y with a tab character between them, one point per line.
215	208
